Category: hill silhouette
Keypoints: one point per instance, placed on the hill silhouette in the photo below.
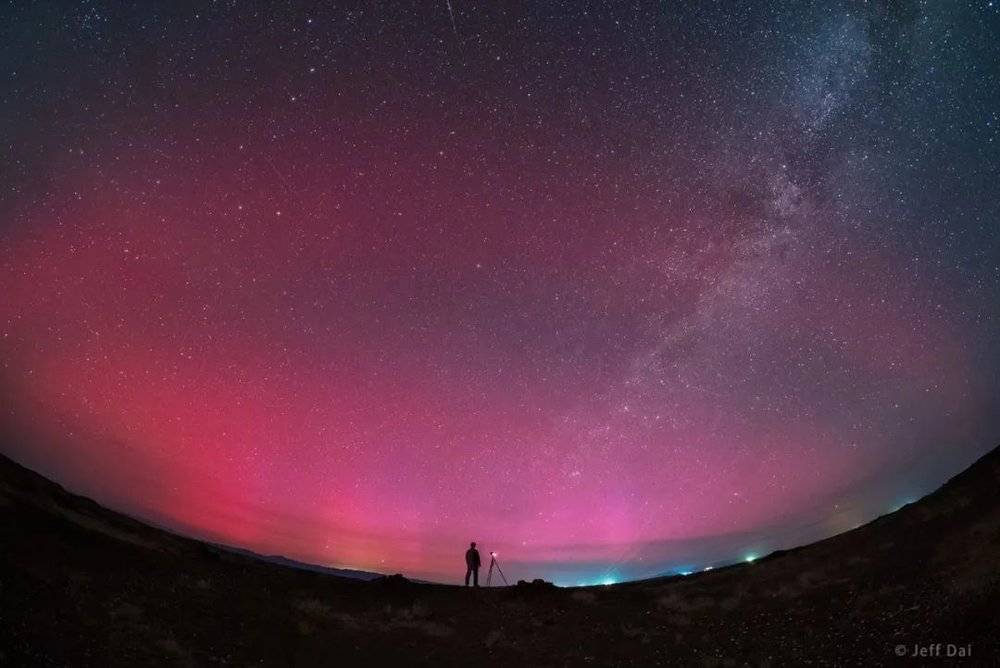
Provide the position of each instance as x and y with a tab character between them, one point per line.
81	585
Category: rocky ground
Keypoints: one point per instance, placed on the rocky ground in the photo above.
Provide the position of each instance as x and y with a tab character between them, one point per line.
83	586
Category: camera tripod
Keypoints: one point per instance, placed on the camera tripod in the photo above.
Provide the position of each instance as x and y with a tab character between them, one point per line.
489	574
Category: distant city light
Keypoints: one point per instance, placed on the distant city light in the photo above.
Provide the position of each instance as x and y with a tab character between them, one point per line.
750	558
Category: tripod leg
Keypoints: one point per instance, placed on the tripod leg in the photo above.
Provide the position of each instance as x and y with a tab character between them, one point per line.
502	575
489	574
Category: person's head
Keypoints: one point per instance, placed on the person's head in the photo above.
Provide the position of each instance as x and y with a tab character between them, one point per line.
472	545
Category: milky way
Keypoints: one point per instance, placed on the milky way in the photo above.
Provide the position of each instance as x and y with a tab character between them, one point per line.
614	292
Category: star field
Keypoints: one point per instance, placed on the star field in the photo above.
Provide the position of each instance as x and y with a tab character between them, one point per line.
614	291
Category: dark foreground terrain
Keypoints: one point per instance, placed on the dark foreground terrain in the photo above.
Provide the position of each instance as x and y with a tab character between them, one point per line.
83	586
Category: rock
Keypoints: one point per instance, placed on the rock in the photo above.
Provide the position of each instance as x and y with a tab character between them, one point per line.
537	583
395	580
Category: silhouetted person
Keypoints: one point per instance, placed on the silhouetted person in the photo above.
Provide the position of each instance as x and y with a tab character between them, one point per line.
472	565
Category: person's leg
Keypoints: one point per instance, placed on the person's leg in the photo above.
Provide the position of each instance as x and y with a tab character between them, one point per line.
468	572
475	577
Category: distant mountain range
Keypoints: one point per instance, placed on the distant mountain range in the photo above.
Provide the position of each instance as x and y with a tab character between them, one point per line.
301	565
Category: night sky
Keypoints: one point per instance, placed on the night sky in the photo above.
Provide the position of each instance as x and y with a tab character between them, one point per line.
612	291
